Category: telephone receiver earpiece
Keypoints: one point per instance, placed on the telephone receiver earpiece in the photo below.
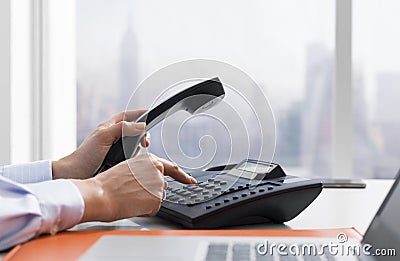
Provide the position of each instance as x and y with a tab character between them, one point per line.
195	99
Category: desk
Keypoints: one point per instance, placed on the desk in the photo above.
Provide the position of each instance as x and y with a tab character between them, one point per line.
334	208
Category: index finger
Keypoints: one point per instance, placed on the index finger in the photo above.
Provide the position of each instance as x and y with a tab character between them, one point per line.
172	170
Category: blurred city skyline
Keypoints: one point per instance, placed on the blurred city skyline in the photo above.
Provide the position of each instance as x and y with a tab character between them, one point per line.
294	66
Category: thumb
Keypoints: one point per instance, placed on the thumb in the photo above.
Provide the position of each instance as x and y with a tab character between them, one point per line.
126	128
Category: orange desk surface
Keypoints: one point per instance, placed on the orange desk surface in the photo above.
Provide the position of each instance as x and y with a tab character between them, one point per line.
70	245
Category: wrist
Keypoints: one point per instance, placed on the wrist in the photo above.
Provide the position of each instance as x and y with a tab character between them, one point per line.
67	168
93	198
63	169
57	169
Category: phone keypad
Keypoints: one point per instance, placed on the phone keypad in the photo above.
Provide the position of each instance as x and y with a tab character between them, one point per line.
206	190
191	194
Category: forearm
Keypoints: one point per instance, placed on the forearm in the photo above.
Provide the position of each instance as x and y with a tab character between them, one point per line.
39	171
32	172
67	168
34	209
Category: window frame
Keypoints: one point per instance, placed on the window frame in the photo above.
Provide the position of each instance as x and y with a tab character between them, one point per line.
5	80
342	99
37	102
56	107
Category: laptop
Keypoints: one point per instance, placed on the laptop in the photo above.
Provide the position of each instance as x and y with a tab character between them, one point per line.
381	242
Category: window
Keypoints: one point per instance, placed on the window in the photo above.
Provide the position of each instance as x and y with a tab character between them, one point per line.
286	46
376	88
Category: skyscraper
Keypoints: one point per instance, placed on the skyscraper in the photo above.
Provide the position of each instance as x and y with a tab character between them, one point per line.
364	155
316	142
128	67
388	123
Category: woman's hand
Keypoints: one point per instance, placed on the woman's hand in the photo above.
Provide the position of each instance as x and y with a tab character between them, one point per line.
83	162
132	188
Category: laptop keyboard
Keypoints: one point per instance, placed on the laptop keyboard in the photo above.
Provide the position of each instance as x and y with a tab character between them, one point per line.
246	251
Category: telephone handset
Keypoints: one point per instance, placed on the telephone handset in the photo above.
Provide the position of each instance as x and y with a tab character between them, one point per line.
195	99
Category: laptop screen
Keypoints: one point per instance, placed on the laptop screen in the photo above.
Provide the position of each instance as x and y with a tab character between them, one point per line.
384	231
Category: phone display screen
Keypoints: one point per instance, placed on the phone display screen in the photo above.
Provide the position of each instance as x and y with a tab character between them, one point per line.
250	169
255	167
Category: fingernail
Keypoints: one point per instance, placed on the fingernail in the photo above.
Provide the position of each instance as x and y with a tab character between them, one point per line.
193	180
140	126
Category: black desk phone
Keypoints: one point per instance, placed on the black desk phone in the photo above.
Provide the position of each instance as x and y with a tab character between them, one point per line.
247	193
229	196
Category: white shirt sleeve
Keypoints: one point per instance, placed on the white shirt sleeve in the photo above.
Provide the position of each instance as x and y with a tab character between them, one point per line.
32	172
28	210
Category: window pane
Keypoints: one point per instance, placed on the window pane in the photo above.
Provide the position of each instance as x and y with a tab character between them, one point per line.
286	46
376	88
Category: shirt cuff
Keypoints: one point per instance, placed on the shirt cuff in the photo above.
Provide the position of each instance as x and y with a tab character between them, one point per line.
33	172
61	204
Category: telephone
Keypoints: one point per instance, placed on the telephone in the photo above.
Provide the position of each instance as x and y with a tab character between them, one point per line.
195	99
228	195
246	193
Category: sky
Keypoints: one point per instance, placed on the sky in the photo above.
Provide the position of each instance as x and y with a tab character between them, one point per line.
266	39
